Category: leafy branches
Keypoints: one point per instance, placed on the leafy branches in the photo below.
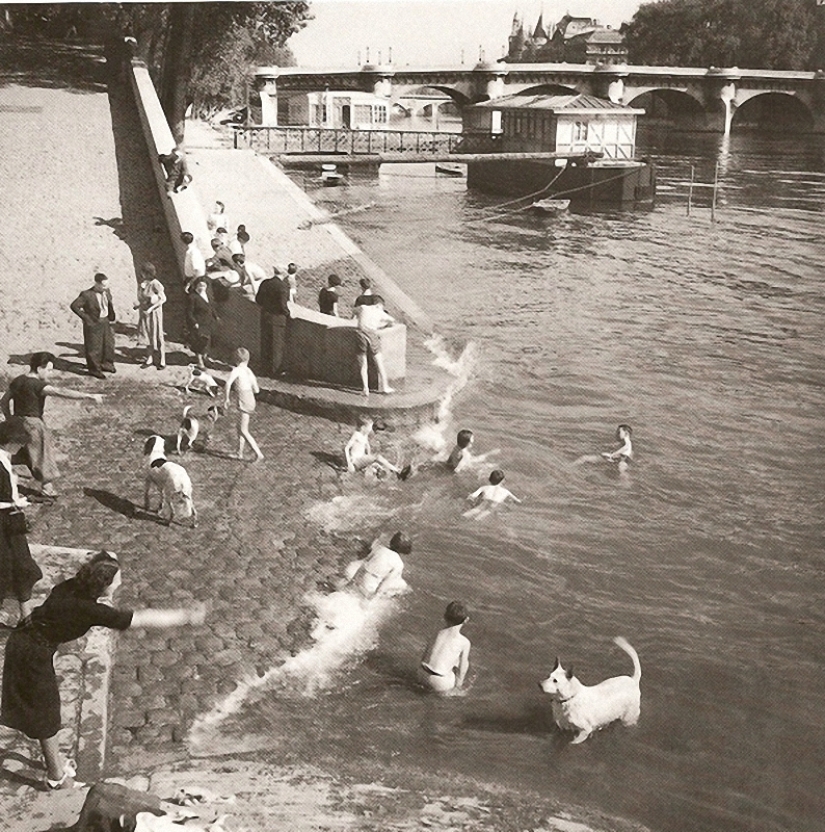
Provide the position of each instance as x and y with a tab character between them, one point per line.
756	34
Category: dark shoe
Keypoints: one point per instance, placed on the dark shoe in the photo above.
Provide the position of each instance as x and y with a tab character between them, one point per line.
109	368
405	472
97	374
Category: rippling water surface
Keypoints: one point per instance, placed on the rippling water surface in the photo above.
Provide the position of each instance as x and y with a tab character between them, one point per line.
708	339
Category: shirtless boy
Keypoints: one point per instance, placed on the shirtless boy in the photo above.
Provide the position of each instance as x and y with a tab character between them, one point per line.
446	660
245	385
624	454
380	572
358	453
460	457
487	497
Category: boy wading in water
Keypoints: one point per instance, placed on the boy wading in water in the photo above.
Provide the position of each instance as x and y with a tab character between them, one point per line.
489	496
359	455
246	387
624	454
446	660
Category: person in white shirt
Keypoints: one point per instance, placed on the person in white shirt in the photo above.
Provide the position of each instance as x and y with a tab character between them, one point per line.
217	219
194	263
369	320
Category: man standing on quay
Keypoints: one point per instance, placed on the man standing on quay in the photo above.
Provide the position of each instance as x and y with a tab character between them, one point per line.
95	308
273	298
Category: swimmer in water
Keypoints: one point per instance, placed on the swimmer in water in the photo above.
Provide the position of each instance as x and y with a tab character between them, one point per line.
359	455
489	496
446	660
624	454
380	572
460	457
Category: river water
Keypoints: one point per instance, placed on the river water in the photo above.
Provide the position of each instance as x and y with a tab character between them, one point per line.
707	337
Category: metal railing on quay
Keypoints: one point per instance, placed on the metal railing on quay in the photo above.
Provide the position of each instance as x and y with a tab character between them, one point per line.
352	142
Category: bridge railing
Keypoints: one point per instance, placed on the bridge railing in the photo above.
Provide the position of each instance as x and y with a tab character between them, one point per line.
336	140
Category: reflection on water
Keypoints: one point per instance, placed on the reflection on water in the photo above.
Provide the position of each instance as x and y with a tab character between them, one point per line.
706	338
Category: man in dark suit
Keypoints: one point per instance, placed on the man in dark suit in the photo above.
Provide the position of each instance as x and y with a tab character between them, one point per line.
273	298
95	308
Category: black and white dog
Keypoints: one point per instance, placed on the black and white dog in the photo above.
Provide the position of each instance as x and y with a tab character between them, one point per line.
171	480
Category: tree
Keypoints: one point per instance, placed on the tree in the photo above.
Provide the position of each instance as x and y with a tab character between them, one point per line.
178	41
755	34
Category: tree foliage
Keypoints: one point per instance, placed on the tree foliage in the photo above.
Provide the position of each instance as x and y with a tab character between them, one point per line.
198	53
753	34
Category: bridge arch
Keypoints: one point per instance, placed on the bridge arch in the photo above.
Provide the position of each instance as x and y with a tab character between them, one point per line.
677	108
549	89
776	112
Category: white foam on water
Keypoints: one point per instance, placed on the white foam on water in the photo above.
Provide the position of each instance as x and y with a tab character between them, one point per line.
346	628
347	512
434	436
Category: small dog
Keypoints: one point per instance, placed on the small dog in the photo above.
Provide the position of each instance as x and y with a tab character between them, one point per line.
200	378
187	432
584	709
171	480
194	431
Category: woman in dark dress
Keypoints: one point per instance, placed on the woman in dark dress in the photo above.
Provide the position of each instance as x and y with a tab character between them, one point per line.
18	571
201	317
30	697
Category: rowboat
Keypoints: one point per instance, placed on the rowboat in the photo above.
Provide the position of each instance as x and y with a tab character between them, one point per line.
551	206
449	170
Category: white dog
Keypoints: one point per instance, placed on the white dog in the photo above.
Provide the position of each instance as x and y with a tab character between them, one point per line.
584	709
187	432
200	378
171	480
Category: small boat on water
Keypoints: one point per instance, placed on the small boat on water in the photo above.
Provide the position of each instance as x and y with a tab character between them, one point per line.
448	169
551	206
330	176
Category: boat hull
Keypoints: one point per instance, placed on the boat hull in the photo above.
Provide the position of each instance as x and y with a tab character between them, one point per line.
628	183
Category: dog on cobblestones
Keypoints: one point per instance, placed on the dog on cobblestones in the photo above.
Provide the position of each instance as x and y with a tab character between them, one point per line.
200	378
171	480
583	708
196	429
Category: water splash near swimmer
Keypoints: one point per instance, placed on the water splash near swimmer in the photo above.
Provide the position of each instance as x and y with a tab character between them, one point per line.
433	436
346	628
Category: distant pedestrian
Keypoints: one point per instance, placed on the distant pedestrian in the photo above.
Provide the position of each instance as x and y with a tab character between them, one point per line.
218	218
201	318
245	385
18	571
328	297
95	308
273	298
151	297
26	398
31	696
194	263
292	280
176	170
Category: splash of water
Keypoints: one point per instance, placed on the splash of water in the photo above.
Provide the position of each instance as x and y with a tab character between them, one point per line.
346	628
433	436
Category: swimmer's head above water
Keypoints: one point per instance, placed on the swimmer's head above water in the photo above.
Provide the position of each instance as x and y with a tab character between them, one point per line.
496	477
464	438
401	543
623	432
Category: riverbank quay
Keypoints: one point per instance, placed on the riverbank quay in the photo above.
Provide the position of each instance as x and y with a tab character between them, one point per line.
257	550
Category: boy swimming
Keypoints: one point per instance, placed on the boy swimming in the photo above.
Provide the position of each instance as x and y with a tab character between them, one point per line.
446	660
380	572
624	454
489	496
460	457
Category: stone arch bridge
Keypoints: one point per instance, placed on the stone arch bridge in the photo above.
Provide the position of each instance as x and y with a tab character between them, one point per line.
702	99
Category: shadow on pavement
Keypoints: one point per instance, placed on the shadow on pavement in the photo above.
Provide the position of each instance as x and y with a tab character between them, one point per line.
122	506
54	64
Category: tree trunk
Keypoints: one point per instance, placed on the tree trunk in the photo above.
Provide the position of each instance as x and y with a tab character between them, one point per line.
177	66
